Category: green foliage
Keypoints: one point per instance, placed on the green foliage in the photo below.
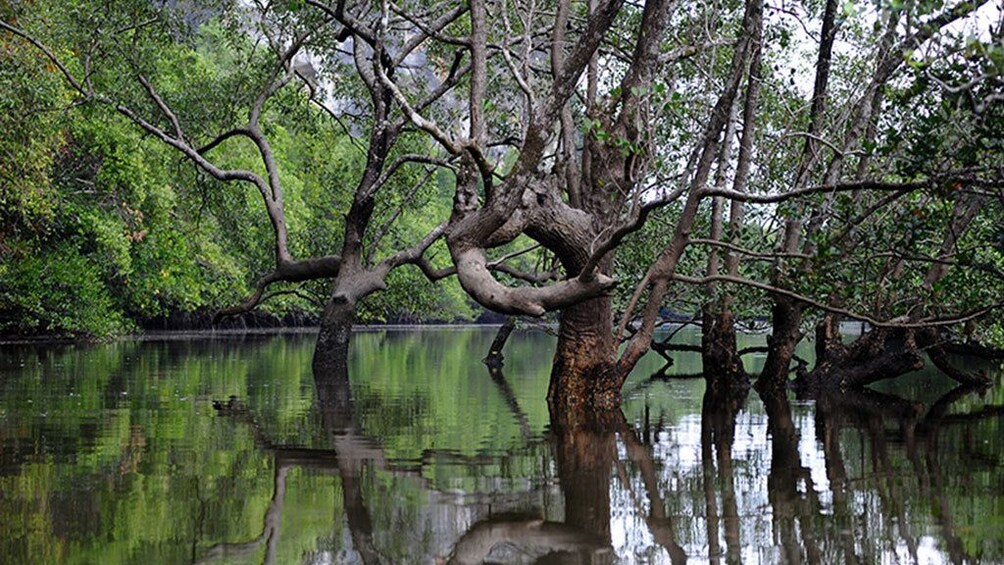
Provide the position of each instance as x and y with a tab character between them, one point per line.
145	232
31	95
58	290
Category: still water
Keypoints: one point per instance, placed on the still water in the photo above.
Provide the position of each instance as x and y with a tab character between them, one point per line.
224	450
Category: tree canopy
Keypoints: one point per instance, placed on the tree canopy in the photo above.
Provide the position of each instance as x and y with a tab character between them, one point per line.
605	160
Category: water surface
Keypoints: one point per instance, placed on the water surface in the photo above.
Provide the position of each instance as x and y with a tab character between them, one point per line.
226	450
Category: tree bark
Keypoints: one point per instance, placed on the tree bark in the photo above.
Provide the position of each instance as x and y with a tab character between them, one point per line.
332	348
582	378
786	317
879	354
723	368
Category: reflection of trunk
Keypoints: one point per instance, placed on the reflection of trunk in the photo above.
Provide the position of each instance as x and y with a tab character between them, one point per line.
269	532
477	543
870	412
584	456
933	485
582	378
334	399
585	459
793	513
659	522
498	377
828	426
718	425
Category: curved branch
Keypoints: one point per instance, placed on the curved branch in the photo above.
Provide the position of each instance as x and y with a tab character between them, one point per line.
342	16
292	271
163	106
746	252
402	160
475	277
219	139
618	235
413	255
819	189
432	273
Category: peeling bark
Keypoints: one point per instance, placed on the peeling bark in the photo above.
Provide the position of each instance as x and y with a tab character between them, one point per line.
582	378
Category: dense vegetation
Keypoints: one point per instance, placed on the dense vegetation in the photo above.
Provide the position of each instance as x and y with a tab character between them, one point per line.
606	161
104	229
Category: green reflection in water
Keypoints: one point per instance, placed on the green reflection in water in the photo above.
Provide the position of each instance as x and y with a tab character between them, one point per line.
218	450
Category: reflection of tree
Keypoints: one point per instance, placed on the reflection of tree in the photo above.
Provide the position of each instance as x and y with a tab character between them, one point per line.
584	457
269	533
719	409
793	512
351	456
874	415
586	454
660	523
561	542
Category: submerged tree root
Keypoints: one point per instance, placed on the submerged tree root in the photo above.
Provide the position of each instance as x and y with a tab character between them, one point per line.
881	354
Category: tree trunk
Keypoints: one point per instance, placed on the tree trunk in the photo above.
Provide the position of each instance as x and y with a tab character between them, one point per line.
332	347
787	332
879	354
723	368
495	358
582	378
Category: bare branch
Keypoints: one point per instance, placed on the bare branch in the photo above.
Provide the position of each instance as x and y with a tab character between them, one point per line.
747	252
294	271
433	29
618	235
163	107
825	188
385	228
899	322
413	254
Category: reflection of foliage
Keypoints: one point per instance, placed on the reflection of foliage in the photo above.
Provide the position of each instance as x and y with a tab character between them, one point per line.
115	454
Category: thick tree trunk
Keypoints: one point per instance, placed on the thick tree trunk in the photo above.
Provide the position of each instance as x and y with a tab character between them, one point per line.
882	353
582	378
333	339
723	368
787	332
828	340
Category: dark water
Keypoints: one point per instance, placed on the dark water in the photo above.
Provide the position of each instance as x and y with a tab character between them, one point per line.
223	450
